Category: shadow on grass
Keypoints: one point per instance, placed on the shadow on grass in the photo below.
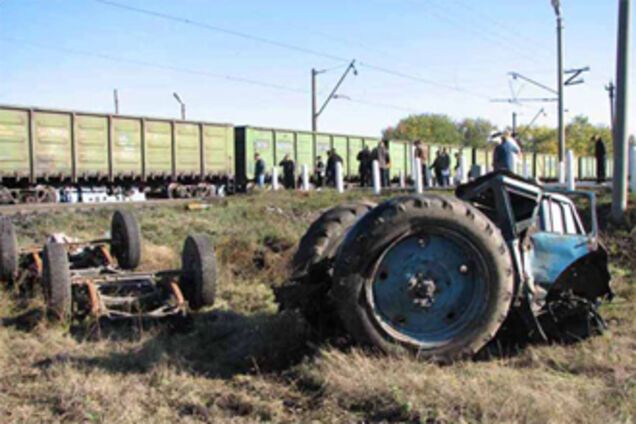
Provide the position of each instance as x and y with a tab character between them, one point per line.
218	344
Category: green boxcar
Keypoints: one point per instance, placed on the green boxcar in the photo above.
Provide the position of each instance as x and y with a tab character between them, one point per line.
398	154
91	146
187	149
157	149
52	144
305	151
14	144
340	145
126	149
218	150
355	146
284	144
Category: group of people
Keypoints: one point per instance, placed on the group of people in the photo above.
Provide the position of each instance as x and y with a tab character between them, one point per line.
504	159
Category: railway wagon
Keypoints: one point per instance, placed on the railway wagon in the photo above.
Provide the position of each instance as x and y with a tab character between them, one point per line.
44	150
272	144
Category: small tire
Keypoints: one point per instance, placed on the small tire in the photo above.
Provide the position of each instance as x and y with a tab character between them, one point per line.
56	280
426	274
198	271
312	266
8	251
125	237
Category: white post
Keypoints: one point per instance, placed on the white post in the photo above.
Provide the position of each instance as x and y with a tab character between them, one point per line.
419	188
571	183
463	170
275	178
526	169
429	176
402	180
377	186
305	177
561	172
632	166
339	178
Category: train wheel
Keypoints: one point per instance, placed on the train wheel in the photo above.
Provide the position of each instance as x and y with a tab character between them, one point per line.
125	237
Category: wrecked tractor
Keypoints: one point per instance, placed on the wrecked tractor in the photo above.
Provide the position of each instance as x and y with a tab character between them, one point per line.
442	276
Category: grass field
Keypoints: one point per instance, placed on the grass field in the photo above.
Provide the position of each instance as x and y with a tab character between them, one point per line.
243	362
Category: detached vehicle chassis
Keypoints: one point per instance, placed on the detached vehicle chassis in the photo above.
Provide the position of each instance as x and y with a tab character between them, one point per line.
442	276
97	278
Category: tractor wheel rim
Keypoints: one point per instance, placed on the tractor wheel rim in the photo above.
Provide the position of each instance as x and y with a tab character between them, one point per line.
427	289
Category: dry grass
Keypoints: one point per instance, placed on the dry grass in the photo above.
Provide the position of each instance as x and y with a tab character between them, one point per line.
243	362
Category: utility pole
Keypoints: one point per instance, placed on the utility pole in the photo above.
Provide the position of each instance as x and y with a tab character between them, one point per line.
514	122
183	106
619	190
314	105
116	100
611	90
315	114
557	10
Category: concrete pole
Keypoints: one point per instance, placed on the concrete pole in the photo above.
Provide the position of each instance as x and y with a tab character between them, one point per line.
339	178
526	168
402	180
560	85
275	178
571	186
561	172
619	190
463	170
419	187
305	177
632	168
314	105
377	185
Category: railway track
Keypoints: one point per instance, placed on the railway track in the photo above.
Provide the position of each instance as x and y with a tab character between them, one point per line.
47	208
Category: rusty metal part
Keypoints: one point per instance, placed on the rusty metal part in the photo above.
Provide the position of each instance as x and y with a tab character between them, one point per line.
106	252
37	261
93	298
176	291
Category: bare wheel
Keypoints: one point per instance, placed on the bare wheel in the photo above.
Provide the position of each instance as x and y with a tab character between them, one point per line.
56	280
427	273
198	271
8	251
312	266
125	239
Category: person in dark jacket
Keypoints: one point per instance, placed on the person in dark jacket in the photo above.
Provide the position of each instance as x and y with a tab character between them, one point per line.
319	172
601	159
364	166
437	167
381	154
446	165
259	170
333	159
289	169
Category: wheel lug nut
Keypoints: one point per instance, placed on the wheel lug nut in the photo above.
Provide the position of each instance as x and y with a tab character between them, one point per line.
463	269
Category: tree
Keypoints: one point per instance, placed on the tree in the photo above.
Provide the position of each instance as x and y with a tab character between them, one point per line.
579	133
475	132
430	128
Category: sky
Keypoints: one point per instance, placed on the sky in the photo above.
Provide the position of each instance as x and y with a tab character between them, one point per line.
249	61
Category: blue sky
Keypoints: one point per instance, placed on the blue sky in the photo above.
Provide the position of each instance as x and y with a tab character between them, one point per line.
70	54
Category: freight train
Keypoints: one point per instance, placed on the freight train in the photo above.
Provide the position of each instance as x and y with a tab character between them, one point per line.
43	151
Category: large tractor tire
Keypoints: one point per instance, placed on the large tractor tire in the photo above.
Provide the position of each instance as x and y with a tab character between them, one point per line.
312	266
198	271
427	274
56	280
8	251
125	239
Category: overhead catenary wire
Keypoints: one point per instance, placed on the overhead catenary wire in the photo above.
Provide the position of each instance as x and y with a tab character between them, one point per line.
171	68
283	45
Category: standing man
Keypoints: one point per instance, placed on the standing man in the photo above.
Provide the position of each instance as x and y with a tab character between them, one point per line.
333	159
437	167
446	165
504	154
259	170
289	169
420	153
364	166
381	154
319	172
601	159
